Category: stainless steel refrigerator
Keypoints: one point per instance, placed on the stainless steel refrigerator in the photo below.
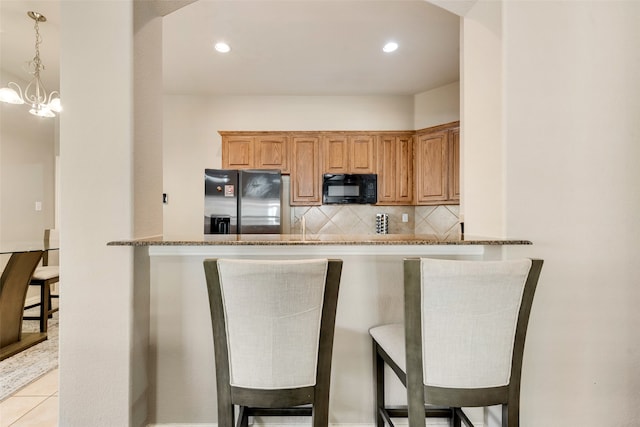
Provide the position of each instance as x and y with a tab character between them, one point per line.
242	202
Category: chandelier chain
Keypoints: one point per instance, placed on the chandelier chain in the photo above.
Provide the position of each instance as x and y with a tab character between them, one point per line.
36	59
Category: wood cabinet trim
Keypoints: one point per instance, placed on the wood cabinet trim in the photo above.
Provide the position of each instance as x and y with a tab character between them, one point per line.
320	133
439	128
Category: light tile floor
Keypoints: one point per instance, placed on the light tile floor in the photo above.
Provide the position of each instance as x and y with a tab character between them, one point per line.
35	405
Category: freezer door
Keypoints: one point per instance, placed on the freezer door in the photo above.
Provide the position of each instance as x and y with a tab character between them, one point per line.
220	199
259	205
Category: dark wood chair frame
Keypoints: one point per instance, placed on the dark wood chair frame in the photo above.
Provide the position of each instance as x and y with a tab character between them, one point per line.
428	401
13	293
46	308
306	401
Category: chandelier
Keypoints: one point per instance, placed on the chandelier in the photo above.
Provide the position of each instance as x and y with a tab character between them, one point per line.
35	95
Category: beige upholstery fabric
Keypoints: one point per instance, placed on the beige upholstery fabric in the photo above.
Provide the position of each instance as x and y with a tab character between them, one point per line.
273	311
470	310
54	237
391	339
45	273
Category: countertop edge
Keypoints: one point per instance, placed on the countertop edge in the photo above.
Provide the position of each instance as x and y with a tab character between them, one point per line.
388	240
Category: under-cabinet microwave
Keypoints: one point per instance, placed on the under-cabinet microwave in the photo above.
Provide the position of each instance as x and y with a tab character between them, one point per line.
350	188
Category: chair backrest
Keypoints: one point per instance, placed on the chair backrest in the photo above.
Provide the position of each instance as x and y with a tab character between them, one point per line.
277	320
51	239
469	319
13	293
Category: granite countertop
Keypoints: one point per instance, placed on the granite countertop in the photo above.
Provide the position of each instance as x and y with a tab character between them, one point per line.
317	239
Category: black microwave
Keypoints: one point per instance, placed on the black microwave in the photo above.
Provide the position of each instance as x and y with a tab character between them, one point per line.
349	188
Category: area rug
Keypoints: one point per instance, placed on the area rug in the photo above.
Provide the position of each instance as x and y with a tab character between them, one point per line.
27	366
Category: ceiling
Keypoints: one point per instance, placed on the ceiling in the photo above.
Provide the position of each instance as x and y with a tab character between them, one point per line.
279	47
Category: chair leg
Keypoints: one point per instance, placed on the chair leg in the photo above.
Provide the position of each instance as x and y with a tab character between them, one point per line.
378	378
243	417
49	314
225	415
320	411
459	418
44	307
510	415
456	421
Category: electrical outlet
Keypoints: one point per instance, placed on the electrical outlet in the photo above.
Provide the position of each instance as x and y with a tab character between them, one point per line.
405	217
38	206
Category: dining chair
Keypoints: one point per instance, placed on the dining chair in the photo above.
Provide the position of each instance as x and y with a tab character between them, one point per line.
13	293
45	277
273	326
462	341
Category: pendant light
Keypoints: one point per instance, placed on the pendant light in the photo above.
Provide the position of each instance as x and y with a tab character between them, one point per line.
35	95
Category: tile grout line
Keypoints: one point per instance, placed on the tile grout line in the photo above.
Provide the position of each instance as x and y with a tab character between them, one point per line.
30	410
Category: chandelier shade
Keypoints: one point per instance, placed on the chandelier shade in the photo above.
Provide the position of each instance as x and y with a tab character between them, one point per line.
41	103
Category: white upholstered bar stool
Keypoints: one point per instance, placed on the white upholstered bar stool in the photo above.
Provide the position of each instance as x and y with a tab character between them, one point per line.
462	341
45	277
273	325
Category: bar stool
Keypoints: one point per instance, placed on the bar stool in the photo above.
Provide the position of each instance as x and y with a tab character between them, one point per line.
273	325
462	341
44	277
13	292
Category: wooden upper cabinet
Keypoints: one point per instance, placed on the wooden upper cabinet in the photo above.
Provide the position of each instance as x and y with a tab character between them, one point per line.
335	153
414	168
431	157
454	164
395	169
404	171
246	150
344	153
237	152
362	154
437	165
306	182
272	152
387	167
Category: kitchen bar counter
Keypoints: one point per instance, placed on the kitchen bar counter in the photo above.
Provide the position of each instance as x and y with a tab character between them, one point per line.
175	322
319	239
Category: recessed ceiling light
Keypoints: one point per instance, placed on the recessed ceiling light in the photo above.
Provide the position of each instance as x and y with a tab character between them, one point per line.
222	47
390	47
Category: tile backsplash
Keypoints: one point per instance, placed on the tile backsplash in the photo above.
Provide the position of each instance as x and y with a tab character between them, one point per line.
442	220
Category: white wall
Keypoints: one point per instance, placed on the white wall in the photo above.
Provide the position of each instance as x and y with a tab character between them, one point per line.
482	144
192	142
568	136
27	147
437	106
148	121
96	184
573	175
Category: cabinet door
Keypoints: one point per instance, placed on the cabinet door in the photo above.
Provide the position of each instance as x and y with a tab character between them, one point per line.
431	171
404	169
305	175
387	169
362	154
237	152
272	152
335	152
454	164
395	170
